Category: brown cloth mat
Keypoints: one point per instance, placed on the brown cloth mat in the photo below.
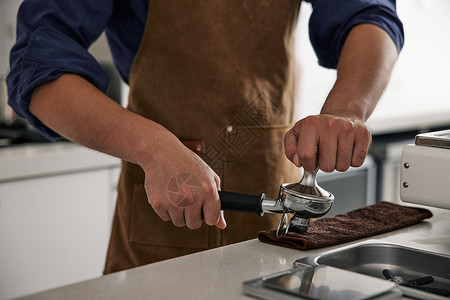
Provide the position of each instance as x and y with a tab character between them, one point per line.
357	224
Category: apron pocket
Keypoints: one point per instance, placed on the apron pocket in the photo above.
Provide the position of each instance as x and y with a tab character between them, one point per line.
147	228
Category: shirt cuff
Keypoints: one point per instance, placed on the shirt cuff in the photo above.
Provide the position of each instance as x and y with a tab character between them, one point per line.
328	37
48	55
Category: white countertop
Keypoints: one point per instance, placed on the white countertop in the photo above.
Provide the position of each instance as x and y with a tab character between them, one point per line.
37	160
219	273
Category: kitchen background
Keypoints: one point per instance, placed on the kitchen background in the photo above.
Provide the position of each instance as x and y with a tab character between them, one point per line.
57	199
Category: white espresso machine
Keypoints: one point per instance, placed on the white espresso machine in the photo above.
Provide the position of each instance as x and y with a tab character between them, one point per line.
425	170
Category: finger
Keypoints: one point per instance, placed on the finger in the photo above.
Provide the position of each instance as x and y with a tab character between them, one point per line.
222	224
164	215
308	139
159	208
290	146
211	204
217	181
327	153
362	142
177	217
345	151
193	216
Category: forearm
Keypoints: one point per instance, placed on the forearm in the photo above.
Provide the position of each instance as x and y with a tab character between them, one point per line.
80	112
363	71
337	138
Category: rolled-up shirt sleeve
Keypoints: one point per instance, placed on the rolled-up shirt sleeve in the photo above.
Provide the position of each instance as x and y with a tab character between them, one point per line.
332	20
52	39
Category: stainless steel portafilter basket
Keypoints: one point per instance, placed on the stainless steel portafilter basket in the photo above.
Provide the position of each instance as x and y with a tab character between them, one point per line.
304	199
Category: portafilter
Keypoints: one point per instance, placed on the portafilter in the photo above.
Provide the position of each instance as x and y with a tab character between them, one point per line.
304	199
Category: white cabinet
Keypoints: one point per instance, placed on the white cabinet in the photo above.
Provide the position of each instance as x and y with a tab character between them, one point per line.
54	229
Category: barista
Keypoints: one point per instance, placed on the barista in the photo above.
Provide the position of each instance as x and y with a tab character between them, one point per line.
210	105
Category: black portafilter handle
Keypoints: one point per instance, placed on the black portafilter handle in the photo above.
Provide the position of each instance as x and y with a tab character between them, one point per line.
242	202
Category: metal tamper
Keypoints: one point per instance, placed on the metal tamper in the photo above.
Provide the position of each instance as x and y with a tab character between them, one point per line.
304	199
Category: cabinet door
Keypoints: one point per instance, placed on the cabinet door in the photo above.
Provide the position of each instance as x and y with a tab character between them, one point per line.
53	231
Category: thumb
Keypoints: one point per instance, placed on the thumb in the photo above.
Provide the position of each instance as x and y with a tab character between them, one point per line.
222	224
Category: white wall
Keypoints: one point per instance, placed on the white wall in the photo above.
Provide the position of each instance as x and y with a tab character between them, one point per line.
418	95
8	11
8	14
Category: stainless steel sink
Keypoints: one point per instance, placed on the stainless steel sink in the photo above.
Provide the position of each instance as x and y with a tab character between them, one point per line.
372	257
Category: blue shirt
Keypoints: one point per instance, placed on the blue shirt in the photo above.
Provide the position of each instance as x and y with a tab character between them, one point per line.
53	37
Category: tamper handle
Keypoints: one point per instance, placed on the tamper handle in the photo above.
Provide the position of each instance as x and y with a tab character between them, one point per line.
309	178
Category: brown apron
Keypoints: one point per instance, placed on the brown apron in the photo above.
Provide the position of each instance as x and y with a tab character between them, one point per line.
220	72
